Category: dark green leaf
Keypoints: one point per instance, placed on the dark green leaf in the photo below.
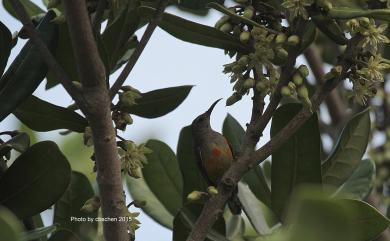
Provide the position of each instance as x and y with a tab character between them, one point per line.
192	178
360	183
118	33
28	69
198	5
349	13
330	28
10	227
5	46
185	220
297	161
234	133
159	102
40	115
39	233
78	192
31	8
140	191
196	33
348	151
316	217
162	175
35	181
20	143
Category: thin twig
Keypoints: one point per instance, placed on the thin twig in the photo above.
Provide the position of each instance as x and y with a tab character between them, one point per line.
46	55
214	205
335	104
139	49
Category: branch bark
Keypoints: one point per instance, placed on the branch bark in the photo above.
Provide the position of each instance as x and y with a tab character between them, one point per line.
92	75
139	49
247	160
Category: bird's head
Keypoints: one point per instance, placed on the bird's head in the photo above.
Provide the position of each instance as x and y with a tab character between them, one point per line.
203	120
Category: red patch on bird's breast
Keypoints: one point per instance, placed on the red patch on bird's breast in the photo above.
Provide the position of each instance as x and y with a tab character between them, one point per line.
216	152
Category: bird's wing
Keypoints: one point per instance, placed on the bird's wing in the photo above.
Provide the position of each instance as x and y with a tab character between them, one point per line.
202	169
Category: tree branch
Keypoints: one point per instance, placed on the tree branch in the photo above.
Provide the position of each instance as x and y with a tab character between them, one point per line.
247	160
92	75
139	49
333	101
46	55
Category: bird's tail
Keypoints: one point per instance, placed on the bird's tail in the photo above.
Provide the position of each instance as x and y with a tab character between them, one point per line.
234	203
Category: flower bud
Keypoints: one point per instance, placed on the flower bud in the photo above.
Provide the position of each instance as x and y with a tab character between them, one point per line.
226	28
221	21
212	190
285	91
261	86
304	70
280	38
249	12
91	205
245	36
77	85
195	196
303	95
139	204
293	40
233	99
281	53
244	60
297	79
249	83
291	85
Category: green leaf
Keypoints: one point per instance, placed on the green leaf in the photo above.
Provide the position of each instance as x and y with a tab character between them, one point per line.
297	161
253	209
20	143
39	233
5	46
185	220
330	28
235	226
10	227
198	5
40	115
314	216
27	70
360	183
195	33
348	151
234	133
192	177
163	177
77	193
31	8
348	13
117	34
35	181
140	191
159	102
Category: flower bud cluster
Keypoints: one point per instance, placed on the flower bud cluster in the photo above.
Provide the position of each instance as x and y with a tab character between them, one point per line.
127	98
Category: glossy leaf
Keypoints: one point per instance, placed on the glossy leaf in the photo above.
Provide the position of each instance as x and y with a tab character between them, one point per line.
297	161
31	8
253	209
316	217
185	220
38	177
349	13
163	177
77	193
360	183
40	115
5	46
27	70
195	33
10	227
349	150
159	102
140	191
192	177
234	133
39	233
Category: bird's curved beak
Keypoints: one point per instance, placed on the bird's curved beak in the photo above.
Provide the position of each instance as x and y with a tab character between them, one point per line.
212	107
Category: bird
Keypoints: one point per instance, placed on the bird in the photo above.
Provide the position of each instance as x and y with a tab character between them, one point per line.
213	154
